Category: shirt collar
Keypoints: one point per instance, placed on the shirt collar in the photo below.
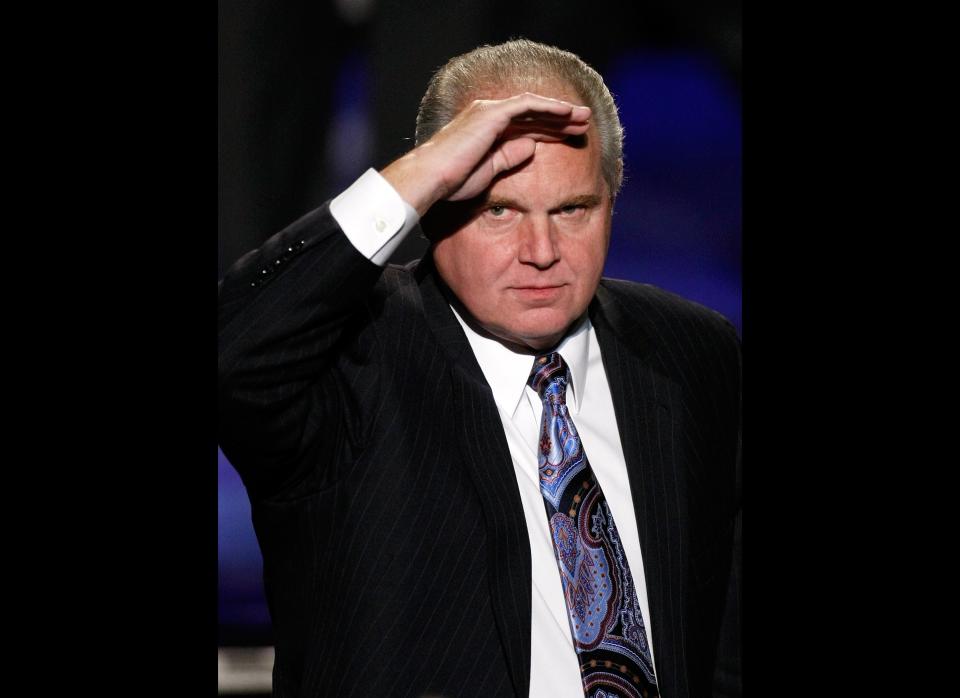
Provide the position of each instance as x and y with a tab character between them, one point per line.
575	350
507	371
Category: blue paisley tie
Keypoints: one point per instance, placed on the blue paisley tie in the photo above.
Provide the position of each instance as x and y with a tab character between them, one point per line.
605	618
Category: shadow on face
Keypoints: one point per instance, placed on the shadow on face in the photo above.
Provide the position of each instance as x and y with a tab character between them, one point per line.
446	217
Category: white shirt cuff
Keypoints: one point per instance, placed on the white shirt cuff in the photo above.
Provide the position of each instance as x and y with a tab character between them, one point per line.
373	216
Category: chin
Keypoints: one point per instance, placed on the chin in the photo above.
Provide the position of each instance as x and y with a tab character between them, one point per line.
536	329
548	332
538	338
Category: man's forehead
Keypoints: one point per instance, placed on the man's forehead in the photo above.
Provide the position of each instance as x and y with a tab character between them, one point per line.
556	172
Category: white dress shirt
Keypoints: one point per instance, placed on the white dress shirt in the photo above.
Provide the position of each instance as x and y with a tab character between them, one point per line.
375	218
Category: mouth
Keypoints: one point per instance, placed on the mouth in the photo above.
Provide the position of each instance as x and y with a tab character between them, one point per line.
538	292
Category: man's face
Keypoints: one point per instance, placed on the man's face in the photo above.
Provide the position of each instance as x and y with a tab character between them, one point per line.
528	261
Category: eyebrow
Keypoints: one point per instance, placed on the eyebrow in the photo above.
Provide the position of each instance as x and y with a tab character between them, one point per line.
586	200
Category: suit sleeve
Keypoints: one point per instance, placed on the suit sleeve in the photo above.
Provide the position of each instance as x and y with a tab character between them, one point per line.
727	682
283	310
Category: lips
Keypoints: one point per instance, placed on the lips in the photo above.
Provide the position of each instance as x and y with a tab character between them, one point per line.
537	292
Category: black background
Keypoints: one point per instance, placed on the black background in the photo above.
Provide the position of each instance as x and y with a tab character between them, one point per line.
111	345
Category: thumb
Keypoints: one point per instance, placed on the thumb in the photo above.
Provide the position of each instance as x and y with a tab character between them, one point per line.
511	153
506	155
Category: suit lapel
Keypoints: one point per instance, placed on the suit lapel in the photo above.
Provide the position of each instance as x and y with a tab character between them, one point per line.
648	413
648	408
486	456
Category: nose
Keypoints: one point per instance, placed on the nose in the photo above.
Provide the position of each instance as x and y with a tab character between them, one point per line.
538	244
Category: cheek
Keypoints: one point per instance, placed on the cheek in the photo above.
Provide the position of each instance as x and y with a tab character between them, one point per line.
484	259
472	266
588	259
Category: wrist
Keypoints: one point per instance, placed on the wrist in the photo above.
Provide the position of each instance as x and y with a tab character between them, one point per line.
415	179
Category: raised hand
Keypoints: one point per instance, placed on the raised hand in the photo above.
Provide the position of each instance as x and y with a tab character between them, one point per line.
486	138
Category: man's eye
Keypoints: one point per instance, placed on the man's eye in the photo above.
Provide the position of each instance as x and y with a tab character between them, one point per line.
497	211
571	209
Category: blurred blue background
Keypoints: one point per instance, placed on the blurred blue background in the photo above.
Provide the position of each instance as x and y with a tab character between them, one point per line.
311	94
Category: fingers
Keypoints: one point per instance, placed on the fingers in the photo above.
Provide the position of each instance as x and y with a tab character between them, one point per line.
532	104
540	118
516	125
532	114
510	154
506	156
486	138
544	132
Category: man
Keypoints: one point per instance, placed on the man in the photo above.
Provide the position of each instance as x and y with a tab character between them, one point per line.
490	473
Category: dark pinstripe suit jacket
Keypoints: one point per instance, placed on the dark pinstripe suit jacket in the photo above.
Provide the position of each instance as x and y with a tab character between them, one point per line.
396	557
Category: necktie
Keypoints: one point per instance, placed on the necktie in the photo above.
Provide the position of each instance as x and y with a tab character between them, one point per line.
605	618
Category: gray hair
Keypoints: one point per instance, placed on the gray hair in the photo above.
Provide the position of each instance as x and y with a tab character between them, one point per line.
523	64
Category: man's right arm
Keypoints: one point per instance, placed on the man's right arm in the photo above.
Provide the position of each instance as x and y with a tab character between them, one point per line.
282	310
284	306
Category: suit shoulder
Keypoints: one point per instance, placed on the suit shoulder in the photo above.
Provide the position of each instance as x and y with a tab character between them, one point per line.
657	308
695	346
397	280
396	296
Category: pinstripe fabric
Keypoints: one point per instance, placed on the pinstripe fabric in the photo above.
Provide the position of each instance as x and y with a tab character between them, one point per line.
370	446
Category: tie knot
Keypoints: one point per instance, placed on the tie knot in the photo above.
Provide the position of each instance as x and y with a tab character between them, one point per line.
549	370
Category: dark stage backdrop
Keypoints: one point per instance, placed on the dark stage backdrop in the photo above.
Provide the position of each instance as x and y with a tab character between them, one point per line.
311	94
